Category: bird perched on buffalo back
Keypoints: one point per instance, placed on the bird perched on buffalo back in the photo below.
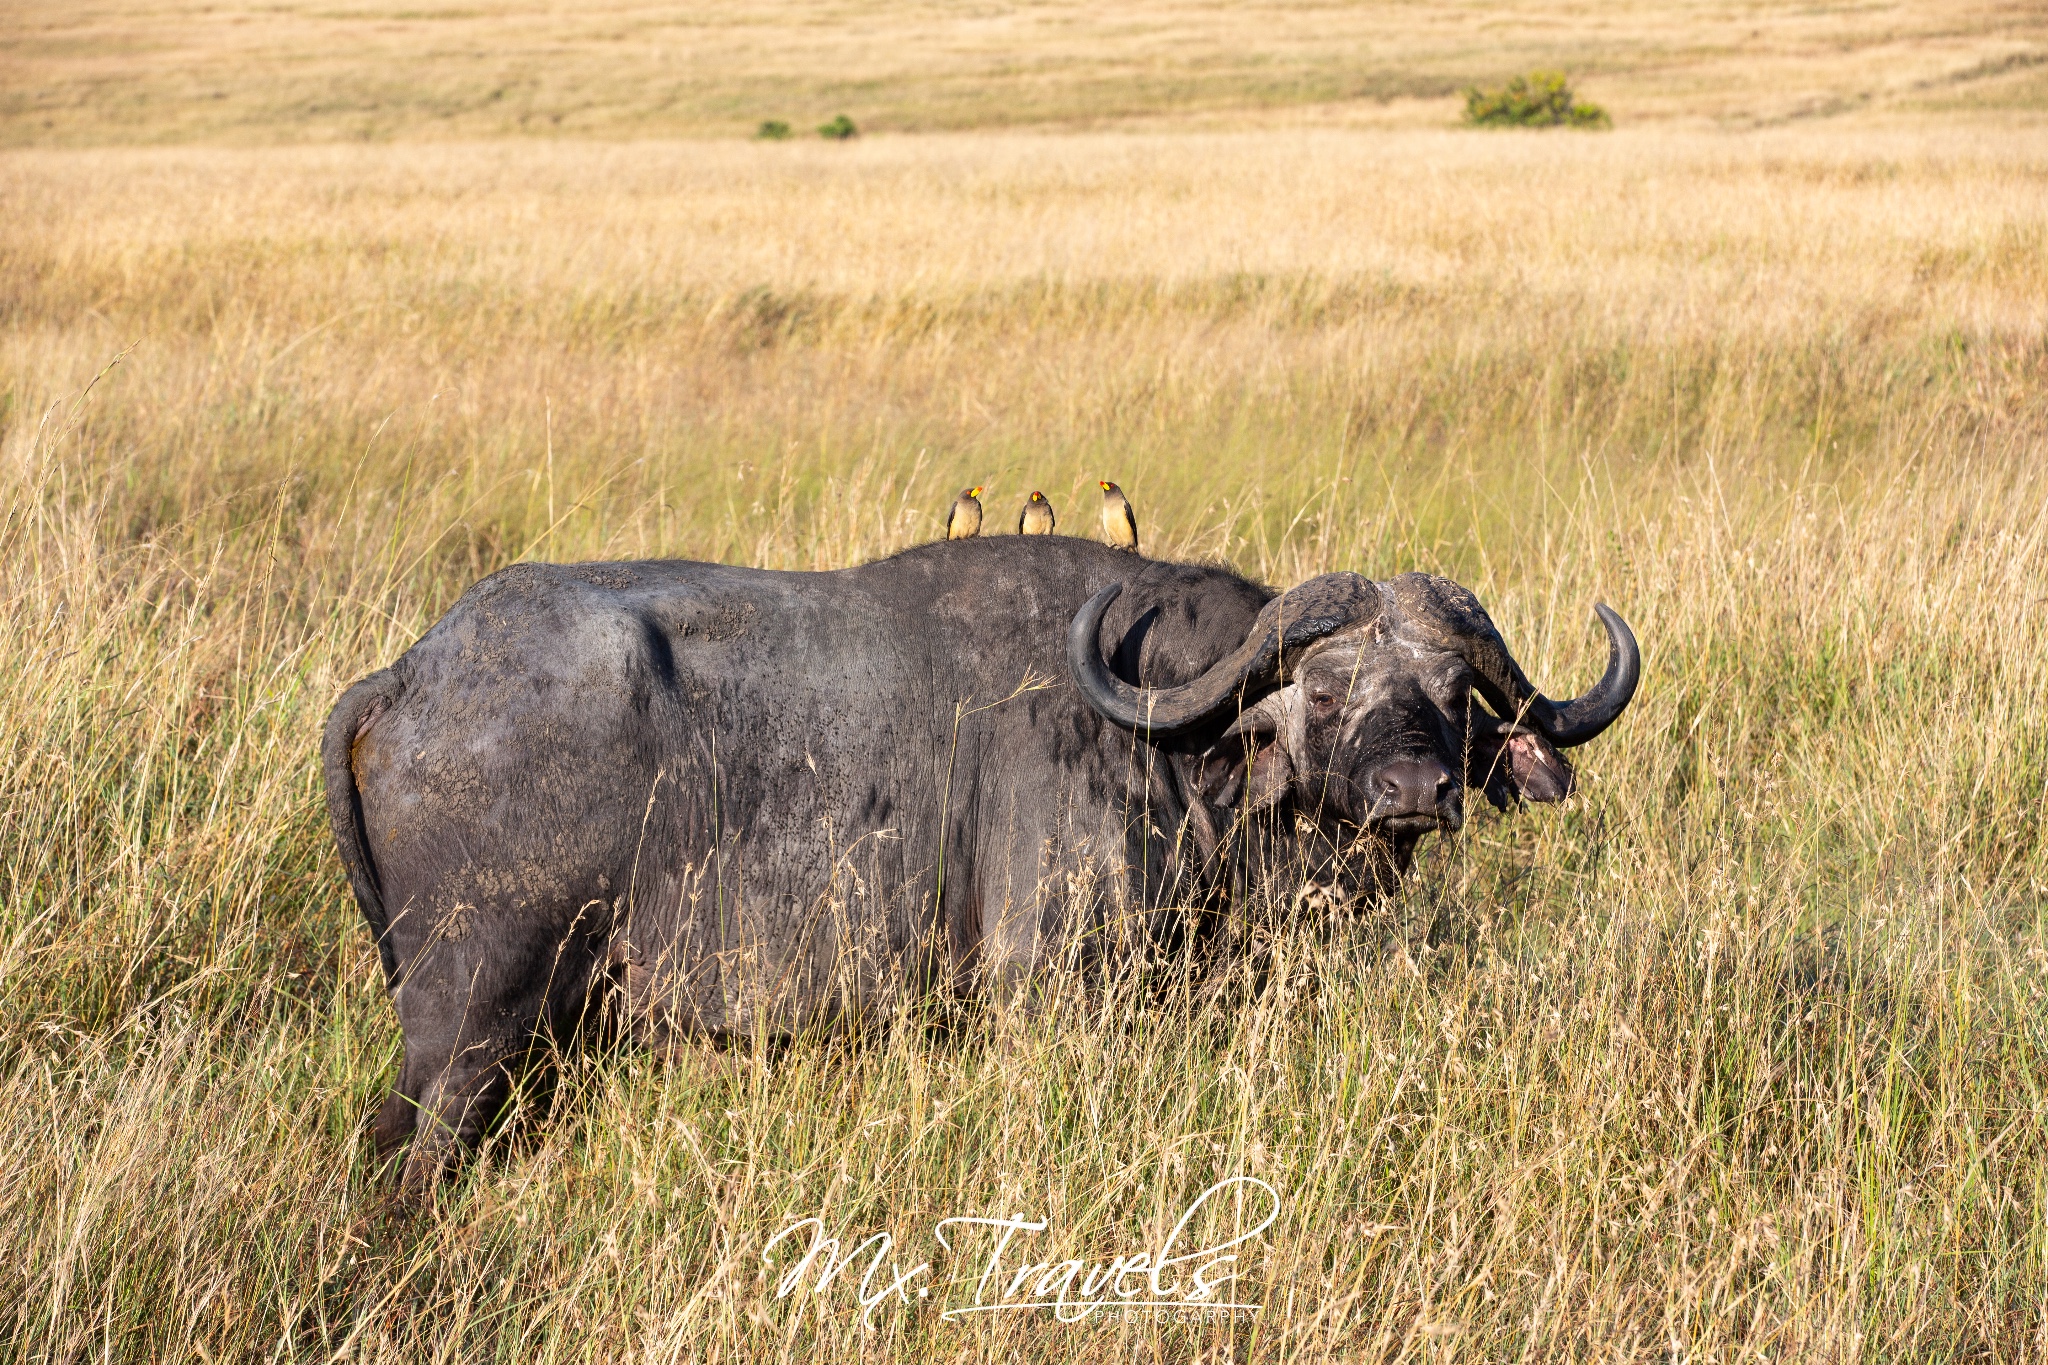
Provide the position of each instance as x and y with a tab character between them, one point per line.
1036	519
965	521
1119	522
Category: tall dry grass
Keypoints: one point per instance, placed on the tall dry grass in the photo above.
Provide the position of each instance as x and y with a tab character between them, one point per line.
1739	1055
79	73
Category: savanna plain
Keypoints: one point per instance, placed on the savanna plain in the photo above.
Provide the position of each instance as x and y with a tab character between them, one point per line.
310	317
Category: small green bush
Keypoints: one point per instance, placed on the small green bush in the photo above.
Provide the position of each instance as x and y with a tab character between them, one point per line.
1541	99
772	130
839	129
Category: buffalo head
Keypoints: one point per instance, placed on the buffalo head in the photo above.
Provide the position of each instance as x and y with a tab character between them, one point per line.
1354	701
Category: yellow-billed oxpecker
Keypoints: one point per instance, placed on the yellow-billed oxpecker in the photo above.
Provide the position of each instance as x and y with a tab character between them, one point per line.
965	521
1119	522
1036	518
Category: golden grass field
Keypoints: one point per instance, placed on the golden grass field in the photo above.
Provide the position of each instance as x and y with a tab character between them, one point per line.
1742	1054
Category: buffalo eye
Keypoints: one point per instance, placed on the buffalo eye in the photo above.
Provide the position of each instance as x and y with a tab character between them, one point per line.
1323	702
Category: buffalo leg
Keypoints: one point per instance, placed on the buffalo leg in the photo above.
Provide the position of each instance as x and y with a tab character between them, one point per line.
463	1048
393	1124
457	1100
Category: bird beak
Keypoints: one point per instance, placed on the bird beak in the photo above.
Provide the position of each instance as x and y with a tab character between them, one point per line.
974	492
1105	488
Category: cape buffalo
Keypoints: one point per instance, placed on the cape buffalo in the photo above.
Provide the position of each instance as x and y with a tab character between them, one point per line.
755	802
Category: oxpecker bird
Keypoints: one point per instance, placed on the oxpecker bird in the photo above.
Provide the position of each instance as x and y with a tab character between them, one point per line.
965	522
1036	518
1119	522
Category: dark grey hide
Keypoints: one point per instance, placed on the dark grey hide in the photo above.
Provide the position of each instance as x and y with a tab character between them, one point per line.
757	802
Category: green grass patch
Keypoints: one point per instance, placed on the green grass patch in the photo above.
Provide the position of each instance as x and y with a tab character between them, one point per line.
1541	99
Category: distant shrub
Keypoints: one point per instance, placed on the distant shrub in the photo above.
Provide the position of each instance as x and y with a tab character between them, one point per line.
772	130
1541	99
839	129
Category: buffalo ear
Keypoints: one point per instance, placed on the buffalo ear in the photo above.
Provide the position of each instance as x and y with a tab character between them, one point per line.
1222	774
1250	762
1540	772
1523	766
1269	777
1486	765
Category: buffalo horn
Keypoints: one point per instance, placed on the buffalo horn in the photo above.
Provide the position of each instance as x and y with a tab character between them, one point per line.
1297	618
1461	624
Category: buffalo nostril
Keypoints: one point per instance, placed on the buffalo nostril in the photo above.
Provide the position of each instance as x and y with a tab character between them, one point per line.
1411	787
